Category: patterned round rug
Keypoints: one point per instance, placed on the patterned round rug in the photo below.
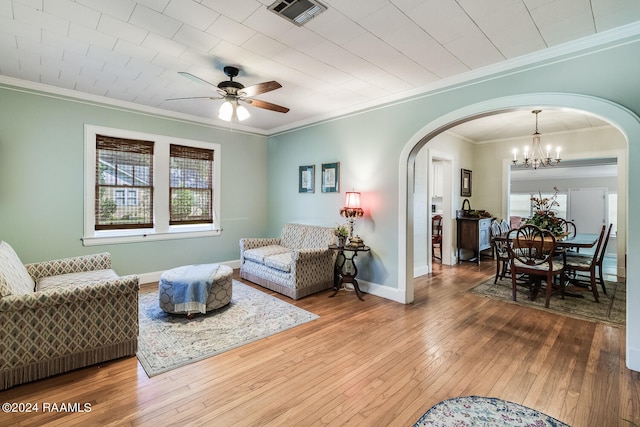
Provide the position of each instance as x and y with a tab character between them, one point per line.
475	411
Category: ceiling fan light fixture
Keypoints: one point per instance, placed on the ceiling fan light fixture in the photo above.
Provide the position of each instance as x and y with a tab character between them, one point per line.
242	113
226	111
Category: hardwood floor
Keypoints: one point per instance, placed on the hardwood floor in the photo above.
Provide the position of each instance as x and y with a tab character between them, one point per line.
371	363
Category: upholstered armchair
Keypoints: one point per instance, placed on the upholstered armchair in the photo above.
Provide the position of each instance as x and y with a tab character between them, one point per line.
61	315
297	264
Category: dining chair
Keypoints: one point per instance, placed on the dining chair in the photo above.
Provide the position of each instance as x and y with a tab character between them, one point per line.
505	226
588	266
600	261
502	254
436	236
569	228
532	253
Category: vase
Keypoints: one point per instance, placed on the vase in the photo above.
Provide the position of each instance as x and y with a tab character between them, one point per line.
341	240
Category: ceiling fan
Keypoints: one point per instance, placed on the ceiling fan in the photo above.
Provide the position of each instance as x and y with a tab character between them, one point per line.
235	92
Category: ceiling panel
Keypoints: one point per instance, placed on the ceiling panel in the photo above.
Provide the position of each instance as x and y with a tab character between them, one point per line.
358	53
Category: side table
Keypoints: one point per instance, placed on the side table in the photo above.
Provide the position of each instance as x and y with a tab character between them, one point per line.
345	270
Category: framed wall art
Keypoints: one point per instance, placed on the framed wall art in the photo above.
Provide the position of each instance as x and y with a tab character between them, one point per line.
465	183
307	179
331	177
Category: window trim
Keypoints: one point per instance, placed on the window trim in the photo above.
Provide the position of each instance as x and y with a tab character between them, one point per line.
161	230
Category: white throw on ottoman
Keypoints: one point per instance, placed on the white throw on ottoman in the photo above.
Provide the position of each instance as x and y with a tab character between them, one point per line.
183	290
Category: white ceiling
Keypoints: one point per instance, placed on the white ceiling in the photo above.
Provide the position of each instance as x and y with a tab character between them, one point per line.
357	54
523	122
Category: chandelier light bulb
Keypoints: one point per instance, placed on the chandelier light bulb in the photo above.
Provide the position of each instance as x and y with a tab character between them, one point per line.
536	157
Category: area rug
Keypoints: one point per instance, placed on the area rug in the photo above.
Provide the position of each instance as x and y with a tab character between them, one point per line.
168	341
477	411
610	310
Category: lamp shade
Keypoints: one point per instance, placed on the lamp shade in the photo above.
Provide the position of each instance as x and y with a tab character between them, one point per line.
226	111
352	200
230	109
242	113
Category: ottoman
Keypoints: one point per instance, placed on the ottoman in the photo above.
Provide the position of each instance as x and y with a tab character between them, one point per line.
196	275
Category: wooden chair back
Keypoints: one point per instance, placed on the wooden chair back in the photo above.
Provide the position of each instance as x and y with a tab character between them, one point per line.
569	227
532	246
436	228
532	253
605	242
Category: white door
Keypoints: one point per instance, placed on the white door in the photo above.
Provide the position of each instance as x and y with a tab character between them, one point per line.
588	209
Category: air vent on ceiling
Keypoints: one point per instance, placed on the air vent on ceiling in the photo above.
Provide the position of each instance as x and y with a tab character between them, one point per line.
297	11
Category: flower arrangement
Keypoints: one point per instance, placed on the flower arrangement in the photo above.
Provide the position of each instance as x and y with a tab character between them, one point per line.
341	230
544	215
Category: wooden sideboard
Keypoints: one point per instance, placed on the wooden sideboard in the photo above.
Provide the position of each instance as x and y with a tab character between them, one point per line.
474	234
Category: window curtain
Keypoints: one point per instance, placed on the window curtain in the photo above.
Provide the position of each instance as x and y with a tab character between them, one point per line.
123	184
191	185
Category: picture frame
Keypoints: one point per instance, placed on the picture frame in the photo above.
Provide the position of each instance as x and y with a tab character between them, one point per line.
307	179
331	177
465	183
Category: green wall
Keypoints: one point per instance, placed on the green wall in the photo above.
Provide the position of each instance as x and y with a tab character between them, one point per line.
41	183
370	148
369	144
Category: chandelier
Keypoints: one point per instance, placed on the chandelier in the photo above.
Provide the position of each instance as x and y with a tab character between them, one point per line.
537	157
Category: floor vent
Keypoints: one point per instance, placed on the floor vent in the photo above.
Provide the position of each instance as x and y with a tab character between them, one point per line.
297	11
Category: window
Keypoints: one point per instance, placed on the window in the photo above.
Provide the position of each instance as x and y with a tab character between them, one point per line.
190	186
613	212
520	204
122	165
148	187
126	197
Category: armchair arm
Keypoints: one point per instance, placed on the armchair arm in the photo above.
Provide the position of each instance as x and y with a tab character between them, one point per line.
312	265
101	261
68	294
309	253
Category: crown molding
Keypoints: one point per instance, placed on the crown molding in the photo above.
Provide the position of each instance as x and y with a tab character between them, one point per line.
42	89
601	41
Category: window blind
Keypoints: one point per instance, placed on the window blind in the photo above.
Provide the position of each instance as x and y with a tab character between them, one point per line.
191	185
124	183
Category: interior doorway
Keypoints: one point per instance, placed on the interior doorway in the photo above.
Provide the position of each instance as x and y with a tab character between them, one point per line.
432	196
625	120
442	203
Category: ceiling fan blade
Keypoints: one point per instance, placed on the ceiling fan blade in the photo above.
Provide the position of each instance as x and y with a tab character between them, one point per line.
261	88
266	105
194	97
195	78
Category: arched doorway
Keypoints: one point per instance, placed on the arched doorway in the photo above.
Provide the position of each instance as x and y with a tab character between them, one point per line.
621	118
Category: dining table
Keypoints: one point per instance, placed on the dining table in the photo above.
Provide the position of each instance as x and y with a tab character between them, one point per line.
578	241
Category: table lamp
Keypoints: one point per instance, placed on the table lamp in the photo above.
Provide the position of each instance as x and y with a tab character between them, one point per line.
351	209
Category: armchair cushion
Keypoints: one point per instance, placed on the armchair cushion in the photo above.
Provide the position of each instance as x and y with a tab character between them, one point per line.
76	278
280	262
14	278
260	254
